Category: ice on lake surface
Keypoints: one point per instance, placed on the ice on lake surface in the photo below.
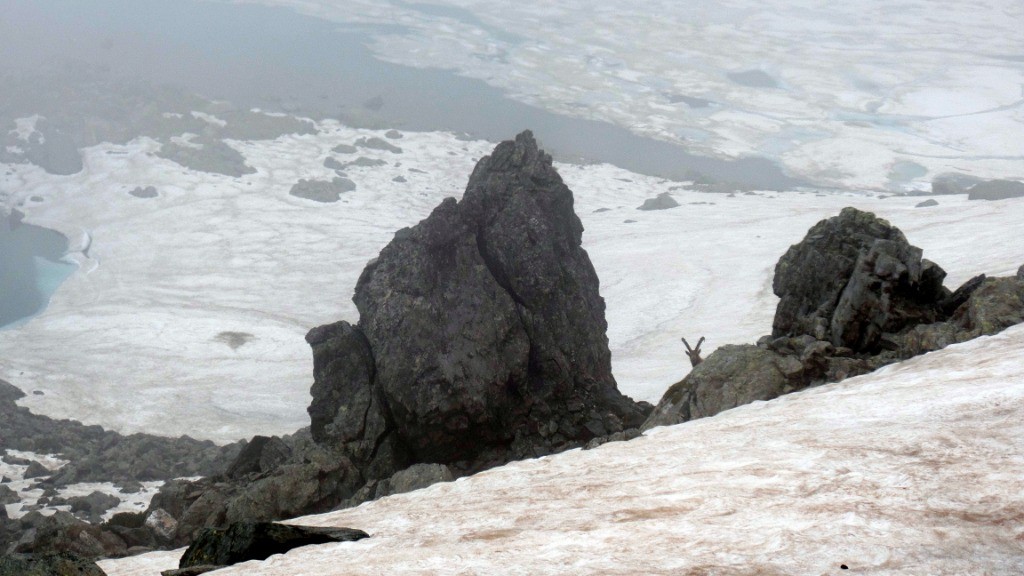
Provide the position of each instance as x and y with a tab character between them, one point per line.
935	83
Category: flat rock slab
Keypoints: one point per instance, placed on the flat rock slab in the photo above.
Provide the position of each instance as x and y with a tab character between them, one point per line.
47	565
243	541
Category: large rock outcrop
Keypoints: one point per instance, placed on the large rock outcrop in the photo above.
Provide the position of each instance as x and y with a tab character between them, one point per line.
854	296
481	340
484	326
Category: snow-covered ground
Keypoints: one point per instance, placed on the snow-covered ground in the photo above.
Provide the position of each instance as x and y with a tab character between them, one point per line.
136	501
866	93
914	469
188	312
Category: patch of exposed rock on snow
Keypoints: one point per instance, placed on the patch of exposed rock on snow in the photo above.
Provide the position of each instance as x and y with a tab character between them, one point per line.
914	469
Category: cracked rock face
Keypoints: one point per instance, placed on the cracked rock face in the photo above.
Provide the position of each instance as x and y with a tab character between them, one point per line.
853	278
484	325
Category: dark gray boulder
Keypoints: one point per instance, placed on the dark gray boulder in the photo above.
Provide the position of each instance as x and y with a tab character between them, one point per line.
926	204
322	190
996	190
344	149
995	305
415	477
348	411
36	470
63	564
64	533
889	288
93	505
147	192
243	541
364	162
261	455
662	201
485	323
852	277
314	479
131	527
8	496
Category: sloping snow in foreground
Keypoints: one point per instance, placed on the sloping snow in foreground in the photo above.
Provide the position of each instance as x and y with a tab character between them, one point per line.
135	339
914	469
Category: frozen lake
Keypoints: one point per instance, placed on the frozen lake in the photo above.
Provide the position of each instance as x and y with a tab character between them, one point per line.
279	60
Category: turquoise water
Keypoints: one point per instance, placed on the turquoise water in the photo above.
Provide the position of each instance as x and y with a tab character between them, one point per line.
31	269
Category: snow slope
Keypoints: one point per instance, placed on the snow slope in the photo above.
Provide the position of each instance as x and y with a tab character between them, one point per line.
141	337
866	93
914	469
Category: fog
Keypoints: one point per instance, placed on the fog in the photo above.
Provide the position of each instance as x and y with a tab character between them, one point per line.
91	72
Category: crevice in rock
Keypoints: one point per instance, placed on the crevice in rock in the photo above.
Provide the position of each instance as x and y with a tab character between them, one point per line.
496	270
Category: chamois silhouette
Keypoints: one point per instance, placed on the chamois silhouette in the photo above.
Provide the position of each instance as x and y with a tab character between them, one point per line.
694	353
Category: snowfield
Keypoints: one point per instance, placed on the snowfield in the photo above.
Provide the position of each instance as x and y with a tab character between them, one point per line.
914	469
188	311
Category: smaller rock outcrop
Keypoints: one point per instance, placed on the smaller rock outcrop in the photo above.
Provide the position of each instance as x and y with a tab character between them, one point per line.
662	201
322	190
93	506
996	190
812	279
64	533
854	296
260	455
729	377
147	192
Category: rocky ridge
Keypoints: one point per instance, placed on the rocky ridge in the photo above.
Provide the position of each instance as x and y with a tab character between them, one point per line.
855	295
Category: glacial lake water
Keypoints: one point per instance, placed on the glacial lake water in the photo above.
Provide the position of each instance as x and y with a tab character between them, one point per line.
31	269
